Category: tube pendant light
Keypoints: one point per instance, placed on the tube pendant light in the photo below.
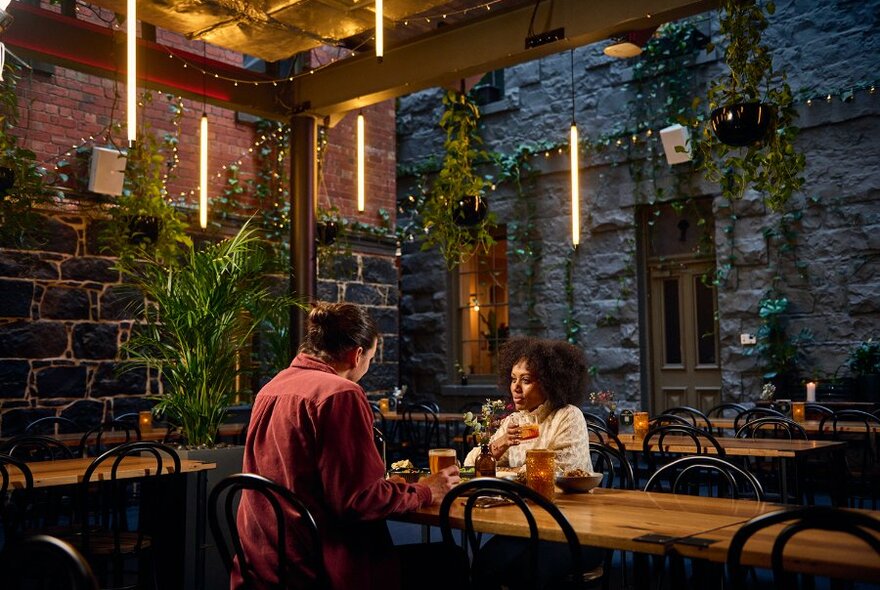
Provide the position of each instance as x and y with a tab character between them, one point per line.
380	31
203	172
361	192
575	168
131	74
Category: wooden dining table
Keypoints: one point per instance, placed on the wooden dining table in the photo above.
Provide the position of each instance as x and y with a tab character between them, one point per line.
719	425
71	471
643	522
772	448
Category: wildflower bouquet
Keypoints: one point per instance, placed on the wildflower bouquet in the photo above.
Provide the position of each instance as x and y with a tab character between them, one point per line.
603	398
485	423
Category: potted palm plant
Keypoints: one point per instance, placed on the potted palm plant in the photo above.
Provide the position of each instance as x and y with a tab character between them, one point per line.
864	364
201	316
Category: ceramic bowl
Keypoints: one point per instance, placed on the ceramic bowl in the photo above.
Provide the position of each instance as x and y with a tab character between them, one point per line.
578	485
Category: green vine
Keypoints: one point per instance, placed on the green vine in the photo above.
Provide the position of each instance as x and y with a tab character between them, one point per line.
571	323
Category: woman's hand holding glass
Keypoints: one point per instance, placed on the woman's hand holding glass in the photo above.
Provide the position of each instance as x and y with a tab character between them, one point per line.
522	426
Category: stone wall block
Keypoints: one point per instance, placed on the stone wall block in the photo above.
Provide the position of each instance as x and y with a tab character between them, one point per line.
385	318
390	349
120	303
328	291
110	380
34	340
59	237
65	303
14	379
379	270
16	298
380	376
27	266
94	341
864	298
64	382
88	413
344	268
363	294
15	421
86	268
93	246
128	405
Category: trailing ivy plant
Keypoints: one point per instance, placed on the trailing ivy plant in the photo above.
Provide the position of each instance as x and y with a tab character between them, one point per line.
22	182
456	180
772	167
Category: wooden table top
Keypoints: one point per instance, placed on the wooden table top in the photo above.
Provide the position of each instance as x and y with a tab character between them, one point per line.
157	433
751	447
811	426
71	471
610	518
813	552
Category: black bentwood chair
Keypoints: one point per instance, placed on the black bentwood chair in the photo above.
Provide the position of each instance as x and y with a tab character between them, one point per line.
478	490
14	503
307	572
824	518
43	562
704	475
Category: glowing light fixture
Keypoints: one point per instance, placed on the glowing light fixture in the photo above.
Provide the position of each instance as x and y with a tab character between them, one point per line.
380	31
575	168
475	303
131	74
203	172
361	198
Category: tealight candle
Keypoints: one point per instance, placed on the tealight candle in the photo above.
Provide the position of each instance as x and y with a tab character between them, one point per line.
145	421
798	411
384	405
640	424
811	391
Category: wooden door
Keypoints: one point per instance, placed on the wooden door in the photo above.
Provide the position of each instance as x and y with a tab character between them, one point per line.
685	364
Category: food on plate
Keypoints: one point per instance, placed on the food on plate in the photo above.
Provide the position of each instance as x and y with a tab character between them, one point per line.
402	465
576	473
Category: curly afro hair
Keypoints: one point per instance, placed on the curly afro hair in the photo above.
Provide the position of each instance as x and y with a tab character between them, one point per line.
561	368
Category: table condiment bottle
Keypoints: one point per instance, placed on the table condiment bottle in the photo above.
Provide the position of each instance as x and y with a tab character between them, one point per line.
485	464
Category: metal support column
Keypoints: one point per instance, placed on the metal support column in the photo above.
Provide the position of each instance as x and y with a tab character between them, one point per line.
303	210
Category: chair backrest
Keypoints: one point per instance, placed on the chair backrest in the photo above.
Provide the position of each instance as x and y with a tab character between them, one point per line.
12	510
120	501
701	439
612	462
48	425
294	525
826	518
814	411
592	418
772	427
605	436
726	408
419	429
754	414
702	475
695	417
862	448
34	447
519	495
668	420
43	561
97	436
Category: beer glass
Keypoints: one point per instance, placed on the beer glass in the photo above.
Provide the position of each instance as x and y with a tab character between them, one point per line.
528	425
439	459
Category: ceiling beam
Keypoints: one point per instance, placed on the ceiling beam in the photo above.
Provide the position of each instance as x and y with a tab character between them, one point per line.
65	41
475	47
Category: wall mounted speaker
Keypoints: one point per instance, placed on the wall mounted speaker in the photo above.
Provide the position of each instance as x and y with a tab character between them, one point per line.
106	171
672	137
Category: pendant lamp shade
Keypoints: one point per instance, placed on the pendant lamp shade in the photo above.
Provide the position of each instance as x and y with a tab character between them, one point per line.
575	189
131	70
203	172
361	196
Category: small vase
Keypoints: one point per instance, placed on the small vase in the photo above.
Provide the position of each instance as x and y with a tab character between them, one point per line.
485	464
612	422
463	379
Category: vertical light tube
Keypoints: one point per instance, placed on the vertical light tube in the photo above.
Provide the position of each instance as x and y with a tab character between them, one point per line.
203	172
575	189
361	197
380	31
131	74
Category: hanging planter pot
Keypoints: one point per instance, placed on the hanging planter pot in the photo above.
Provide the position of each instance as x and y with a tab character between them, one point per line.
470	210
7	179
326	232
142	228
742	124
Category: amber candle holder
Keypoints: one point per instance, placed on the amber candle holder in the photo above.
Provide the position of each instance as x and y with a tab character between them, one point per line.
640	424
145	421
384	405
541	471
798	411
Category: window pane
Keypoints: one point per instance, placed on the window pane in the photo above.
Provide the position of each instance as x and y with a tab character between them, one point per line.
483	309
671	323
707	348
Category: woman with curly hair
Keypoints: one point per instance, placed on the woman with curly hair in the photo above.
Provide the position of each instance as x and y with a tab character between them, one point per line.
547	379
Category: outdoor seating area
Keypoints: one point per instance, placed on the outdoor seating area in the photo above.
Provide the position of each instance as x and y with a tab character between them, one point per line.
422	294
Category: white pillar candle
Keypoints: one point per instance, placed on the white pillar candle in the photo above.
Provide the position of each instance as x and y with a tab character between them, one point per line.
811	392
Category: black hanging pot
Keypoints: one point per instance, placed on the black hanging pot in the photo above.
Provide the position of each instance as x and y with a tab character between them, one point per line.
470	210
7	179
743	124
143	228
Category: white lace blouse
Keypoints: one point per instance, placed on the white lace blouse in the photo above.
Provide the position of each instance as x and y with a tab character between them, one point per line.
563	431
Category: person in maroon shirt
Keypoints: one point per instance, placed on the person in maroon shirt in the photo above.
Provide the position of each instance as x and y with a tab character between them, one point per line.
311	430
